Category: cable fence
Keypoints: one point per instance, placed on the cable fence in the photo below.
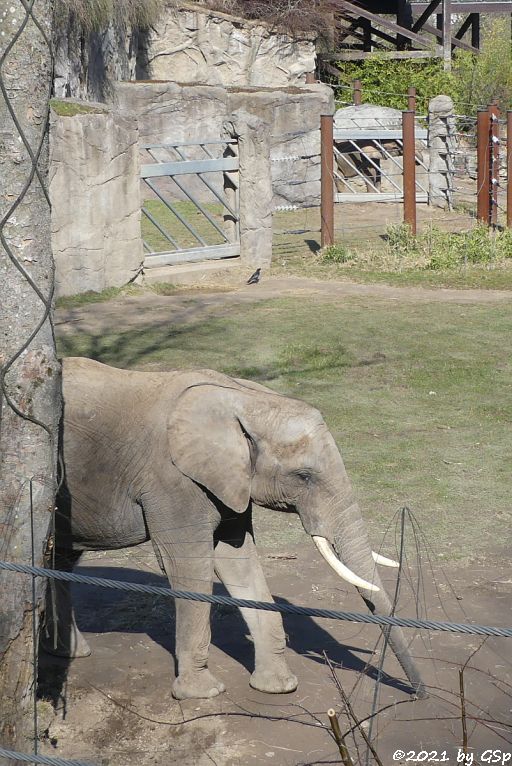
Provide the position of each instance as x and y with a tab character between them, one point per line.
267	606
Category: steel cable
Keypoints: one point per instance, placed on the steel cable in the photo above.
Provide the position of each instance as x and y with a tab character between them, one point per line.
159	590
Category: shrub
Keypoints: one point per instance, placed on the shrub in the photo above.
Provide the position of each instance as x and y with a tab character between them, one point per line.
433	249
337	254
385	82
480	79
475	79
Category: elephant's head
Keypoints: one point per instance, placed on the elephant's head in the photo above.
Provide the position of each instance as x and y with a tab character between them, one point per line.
243	443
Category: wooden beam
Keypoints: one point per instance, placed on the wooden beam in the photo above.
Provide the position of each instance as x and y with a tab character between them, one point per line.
383	36
361	55
464	27
403	19
467	6
475	30
457	43
354	10
429	11
447	35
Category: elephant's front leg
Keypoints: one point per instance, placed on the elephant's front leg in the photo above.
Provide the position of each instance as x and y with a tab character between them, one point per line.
190	567
237	565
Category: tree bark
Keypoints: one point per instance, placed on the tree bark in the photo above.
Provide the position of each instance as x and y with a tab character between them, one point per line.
30	373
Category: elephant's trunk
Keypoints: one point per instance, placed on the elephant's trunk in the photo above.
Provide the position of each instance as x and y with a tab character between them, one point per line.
353	549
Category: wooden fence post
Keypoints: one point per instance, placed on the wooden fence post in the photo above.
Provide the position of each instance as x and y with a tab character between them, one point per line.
327	180
357	90
483	165
409	169
509	168
411	99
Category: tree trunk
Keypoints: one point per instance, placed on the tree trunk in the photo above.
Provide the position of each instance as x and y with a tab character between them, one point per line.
30	373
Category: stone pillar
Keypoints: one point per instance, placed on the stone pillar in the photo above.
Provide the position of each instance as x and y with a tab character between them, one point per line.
255	187
95	193
441	144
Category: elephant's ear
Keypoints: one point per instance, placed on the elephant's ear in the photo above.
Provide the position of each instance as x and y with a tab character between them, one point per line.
207	443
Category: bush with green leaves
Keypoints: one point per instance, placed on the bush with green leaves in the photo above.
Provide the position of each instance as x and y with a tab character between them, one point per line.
479	79
337	254
385	81
475	80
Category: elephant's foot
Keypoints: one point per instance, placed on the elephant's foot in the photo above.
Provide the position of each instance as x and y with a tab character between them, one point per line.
72	647
199	684
274	681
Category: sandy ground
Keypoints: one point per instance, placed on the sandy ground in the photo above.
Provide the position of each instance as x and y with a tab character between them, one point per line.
115	707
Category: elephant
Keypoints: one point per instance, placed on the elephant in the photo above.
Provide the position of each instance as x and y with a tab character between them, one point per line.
179	458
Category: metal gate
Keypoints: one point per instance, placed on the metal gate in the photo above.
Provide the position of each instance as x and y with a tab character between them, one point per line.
190	208
374	157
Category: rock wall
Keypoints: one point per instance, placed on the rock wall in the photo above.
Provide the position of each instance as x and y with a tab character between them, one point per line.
195	45
168	111
188	43
95	194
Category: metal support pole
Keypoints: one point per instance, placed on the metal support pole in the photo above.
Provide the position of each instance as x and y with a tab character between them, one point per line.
494	116
327	180
411	99
509	169
357	92
483	166
409	169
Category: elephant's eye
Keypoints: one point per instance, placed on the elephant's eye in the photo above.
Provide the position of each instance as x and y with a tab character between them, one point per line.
304	475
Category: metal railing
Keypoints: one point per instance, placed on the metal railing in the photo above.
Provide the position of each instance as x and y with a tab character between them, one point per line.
191	206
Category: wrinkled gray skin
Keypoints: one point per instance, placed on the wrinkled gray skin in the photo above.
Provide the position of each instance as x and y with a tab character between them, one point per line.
179	457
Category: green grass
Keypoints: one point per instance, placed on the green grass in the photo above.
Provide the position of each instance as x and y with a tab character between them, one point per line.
173	226
418	397
91	296
68	108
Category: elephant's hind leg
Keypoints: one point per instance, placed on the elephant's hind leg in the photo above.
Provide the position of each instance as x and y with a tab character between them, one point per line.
240	570
60	635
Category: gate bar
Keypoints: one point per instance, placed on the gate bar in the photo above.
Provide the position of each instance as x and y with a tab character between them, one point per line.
409	160
176	213
483	165
327	180
207	183
160	229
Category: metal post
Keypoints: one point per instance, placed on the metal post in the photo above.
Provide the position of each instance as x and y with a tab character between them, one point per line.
409	169
411	99
357	92
327	180
482	165
509	168
494	116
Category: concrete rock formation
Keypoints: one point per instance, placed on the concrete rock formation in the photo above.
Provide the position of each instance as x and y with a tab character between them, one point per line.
191	44
95	193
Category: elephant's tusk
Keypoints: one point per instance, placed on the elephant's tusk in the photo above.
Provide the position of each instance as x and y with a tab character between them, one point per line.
384	561
339	567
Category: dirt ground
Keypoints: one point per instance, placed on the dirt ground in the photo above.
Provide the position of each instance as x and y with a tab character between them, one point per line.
115	707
